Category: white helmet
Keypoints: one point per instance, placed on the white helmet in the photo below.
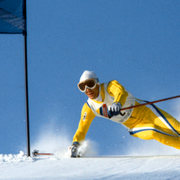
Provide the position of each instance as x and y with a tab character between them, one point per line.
88	75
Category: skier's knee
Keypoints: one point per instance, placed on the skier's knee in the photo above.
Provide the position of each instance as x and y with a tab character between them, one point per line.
146	135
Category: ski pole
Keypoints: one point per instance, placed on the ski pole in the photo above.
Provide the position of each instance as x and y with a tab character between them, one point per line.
152	102
103	110
36	153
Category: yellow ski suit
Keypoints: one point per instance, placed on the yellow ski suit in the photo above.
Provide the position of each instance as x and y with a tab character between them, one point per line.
146	122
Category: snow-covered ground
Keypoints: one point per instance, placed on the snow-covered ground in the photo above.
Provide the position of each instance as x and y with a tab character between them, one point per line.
93	166
19	167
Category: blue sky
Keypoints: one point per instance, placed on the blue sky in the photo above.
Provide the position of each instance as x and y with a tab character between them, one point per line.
136	42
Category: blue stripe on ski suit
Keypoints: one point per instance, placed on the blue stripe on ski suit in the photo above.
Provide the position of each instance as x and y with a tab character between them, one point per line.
150	129
146	129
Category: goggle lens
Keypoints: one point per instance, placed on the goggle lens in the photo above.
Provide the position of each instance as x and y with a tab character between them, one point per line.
90	84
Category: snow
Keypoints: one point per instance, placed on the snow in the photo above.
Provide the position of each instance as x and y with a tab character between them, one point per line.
136	164
20	166
139	162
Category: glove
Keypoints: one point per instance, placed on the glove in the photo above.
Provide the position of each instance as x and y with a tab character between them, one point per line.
114	109
73	150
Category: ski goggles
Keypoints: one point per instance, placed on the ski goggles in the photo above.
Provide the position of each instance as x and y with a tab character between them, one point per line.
90	84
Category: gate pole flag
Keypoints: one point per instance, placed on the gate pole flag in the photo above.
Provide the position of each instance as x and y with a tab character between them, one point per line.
13	21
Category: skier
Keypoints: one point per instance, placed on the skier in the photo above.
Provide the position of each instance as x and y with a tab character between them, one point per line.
145	122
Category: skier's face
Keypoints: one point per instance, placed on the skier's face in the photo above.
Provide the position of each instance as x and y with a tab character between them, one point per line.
92	93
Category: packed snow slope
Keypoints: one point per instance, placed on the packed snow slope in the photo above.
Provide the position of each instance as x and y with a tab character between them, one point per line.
19	167
142	160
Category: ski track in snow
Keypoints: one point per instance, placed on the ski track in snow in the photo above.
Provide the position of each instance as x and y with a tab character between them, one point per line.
20	166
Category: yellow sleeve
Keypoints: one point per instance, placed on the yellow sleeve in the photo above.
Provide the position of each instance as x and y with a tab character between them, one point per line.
87	117
117	91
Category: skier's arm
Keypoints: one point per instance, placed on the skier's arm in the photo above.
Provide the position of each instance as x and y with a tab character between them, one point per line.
87	117
117	91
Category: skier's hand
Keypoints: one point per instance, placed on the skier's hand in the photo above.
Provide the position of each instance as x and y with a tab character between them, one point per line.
114	109
73	150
